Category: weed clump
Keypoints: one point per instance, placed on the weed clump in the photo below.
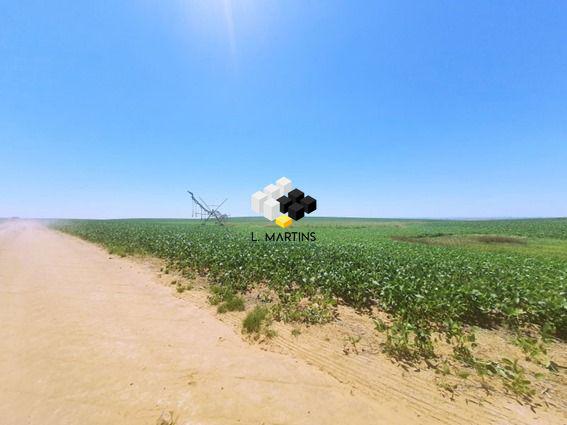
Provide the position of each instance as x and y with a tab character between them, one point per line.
180	287
220	293
226	299
234	303
254	320
117	250
300	306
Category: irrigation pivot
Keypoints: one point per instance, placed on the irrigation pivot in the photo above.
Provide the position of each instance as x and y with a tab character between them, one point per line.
205	212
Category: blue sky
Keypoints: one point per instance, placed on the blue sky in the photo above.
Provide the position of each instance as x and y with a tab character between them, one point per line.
376	108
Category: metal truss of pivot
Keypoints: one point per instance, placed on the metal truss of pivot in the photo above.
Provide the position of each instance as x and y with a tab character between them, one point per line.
205	212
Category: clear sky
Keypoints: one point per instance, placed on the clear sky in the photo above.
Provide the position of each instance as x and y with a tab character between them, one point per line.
376	108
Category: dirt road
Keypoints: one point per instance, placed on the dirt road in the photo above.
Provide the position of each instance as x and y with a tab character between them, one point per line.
88	339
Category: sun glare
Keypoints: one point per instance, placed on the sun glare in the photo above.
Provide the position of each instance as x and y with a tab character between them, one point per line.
221	21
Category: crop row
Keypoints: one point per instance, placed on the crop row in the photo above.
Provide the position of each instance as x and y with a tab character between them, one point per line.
415	283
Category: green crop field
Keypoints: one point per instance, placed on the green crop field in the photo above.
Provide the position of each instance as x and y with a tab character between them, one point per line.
424	283
429	275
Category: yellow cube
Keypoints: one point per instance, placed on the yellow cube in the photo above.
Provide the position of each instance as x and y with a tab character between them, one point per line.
283	221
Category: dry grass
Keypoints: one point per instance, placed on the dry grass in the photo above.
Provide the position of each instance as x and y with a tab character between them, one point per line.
447	239
495	239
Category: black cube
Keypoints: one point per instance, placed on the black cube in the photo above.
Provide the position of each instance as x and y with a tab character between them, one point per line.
310	204
285	203
295	195
296	211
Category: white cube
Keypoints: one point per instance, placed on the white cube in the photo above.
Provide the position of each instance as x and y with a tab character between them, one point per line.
285	184
258	200
273	191
271	209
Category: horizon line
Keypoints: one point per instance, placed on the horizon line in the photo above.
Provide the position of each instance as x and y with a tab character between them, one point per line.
495	218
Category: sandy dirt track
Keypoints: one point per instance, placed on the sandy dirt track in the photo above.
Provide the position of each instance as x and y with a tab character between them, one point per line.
86	339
